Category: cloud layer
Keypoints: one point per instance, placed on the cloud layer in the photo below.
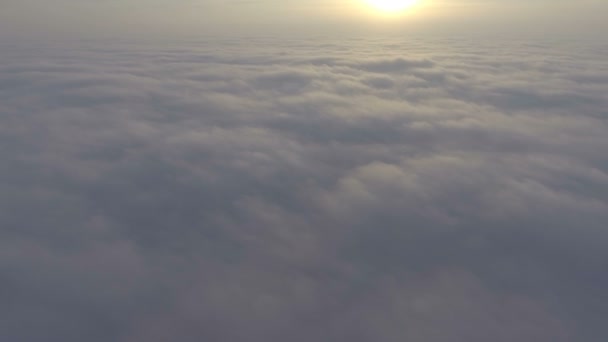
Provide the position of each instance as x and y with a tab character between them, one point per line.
362	190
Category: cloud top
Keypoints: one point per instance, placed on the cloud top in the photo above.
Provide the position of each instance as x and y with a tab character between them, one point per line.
262	190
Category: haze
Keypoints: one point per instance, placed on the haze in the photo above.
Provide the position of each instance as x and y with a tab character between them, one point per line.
266	171
145	18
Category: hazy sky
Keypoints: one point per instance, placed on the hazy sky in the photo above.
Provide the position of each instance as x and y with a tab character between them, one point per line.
331	17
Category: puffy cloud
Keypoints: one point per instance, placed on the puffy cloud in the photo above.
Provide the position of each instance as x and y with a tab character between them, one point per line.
266	190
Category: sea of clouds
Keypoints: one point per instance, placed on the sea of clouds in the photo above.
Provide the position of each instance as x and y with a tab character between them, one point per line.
308	190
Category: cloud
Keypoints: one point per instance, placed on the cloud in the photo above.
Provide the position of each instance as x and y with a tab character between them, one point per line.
254	191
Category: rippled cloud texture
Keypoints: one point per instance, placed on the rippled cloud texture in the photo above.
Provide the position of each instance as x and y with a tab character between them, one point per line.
362	190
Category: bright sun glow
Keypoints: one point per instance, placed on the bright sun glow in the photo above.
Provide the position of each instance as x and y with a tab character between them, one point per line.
392	6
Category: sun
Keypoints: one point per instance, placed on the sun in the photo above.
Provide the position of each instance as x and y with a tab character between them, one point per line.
392	6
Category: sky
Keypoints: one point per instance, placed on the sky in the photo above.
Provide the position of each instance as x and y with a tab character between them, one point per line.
287	17
303	171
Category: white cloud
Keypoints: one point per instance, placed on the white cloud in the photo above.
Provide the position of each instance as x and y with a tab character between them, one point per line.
267	190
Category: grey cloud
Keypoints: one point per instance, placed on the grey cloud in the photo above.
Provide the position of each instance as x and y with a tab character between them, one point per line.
348	191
